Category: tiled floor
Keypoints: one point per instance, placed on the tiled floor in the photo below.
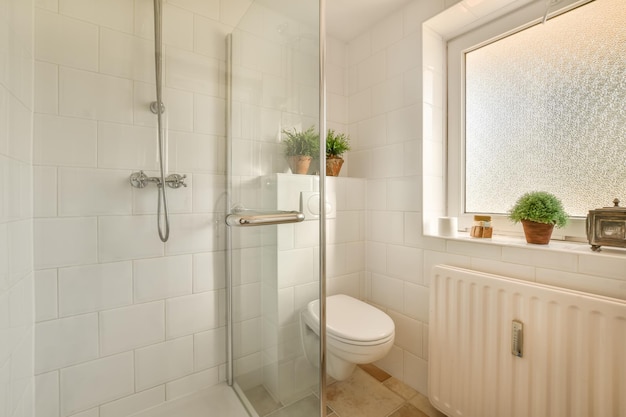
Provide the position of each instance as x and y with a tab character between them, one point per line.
369	392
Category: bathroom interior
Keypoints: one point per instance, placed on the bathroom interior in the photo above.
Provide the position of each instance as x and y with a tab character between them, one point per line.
101	316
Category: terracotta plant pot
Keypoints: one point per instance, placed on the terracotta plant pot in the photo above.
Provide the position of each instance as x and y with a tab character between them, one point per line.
333	166
299	164
537	233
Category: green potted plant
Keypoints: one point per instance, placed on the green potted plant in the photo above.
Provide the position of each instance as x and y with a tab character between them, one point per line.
539	212
336	145
300	148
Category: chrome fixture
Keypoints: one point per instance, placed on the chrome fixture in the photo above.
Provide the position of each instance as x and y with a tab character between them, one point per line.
243	217
140	180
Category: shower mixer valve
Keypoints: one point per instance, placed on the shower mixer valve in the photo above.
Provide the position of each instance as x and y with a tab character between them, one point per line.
140	180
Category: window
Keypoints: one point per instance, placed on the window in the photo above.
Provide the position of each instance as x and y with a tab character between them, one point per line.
541	108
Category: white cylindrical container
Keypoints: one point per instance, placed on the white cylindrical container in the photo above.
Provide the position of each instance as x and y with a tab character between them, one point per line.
448	226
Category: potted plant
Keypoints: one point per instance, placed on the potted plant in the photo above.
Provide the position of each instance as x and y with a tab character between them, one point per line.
300	148
539	212
336	145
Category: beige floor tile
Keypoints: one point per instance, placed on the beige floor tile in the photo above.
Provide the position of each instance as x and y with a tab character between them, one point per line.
306	407
400	388
262	401
375	371
407	410
423	404
361	396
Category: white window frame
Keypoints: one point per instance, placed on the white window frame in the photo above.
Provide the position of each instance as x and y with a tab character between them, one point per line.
456	49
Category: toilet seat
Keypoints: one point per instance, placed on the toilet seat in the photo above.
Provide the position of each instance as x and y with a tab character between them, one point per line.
352	321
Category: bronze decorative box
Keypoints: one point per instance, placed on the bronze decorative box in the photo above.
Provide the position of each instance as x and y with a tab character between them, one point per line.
607	226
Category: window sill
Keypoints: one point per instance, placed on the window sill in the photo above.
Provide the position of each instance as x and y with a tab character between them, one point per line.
553	246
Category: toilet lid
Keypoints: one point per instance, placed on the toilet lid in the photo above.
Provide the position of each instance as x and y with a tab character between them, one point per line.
350	319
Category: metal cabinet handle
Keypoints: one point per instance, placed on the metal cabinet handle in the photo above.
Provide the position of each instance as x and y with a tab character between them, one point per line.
262	218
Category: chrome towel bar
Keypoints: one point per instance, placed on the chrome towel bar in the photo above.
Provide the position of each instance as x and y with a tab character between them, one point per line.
262	218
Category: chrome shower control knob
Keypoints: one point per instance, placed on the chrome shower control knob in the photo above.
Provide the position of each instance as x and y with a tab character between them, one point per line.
138	179
176	180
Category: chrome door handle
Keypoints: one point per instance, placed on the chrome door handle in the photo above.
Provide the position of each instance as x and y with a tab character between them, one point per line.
261	218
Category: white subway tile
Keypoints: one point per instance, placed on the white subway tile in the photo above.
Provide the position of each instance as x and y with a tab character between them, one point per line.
386	226
126	56
20	130
46	87
416	371
360	106
405	263
52	5
124	146
179	109
386	163
404	125
54	135
47	395
247	265
66	342
65	41
192	72
127	328
231	11
434	163
474	249
432	258
209	115
144	19
388	96
198	153
554	260
160	278
194	233
504	269
408	334
393	363
413	87
296	267
163	362
4	122
192	383
209	348
400	57
95	96
402	195
128	237
143	95
46	301
387	32
178	27
247	337
210	9
615	288
209	271
96	382
386	291
191	314
209	37
246	301
45	191
132	404
94	412
209	192
371	71
86	289
65	242
603	266
20	242
90	192
117	14
359	48
261	55
416	301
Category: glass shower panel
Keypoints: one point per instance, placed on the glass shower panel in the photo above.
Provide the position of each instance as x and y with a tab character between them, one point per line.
274	268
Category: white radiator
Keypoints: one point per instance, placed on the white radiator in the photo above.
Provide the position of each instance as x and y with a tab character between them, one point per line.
573	361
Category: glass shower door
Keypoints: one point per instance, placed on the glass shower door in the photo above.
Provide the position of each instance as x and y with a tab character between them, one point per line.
274	269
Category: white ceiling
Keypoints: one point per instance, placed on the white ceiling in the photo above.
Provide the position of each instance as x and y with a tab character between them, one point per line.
346	19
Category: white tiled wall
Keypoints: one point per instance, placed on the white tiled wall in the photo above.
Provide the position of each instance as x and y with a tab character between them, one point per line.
398	142
16	209
116	307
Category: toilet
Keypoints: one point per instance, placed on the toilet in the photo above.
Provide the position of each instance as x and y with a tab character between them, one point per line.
356	333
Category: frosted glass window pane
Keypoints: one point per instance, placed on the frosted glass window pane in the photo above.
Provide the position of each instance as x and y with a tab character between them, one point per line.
546	110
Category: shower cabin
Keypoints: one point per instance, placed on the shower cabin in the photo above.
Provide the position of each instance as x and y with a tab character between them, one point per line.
123	290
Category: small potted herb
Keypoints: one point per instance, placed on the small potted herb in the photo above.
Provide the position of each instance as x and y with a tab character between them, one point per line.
300	148
539	212
336	145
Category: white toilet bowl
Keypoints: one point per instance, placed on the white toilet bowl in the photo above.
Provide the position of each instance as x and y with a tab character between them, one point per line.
356	333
